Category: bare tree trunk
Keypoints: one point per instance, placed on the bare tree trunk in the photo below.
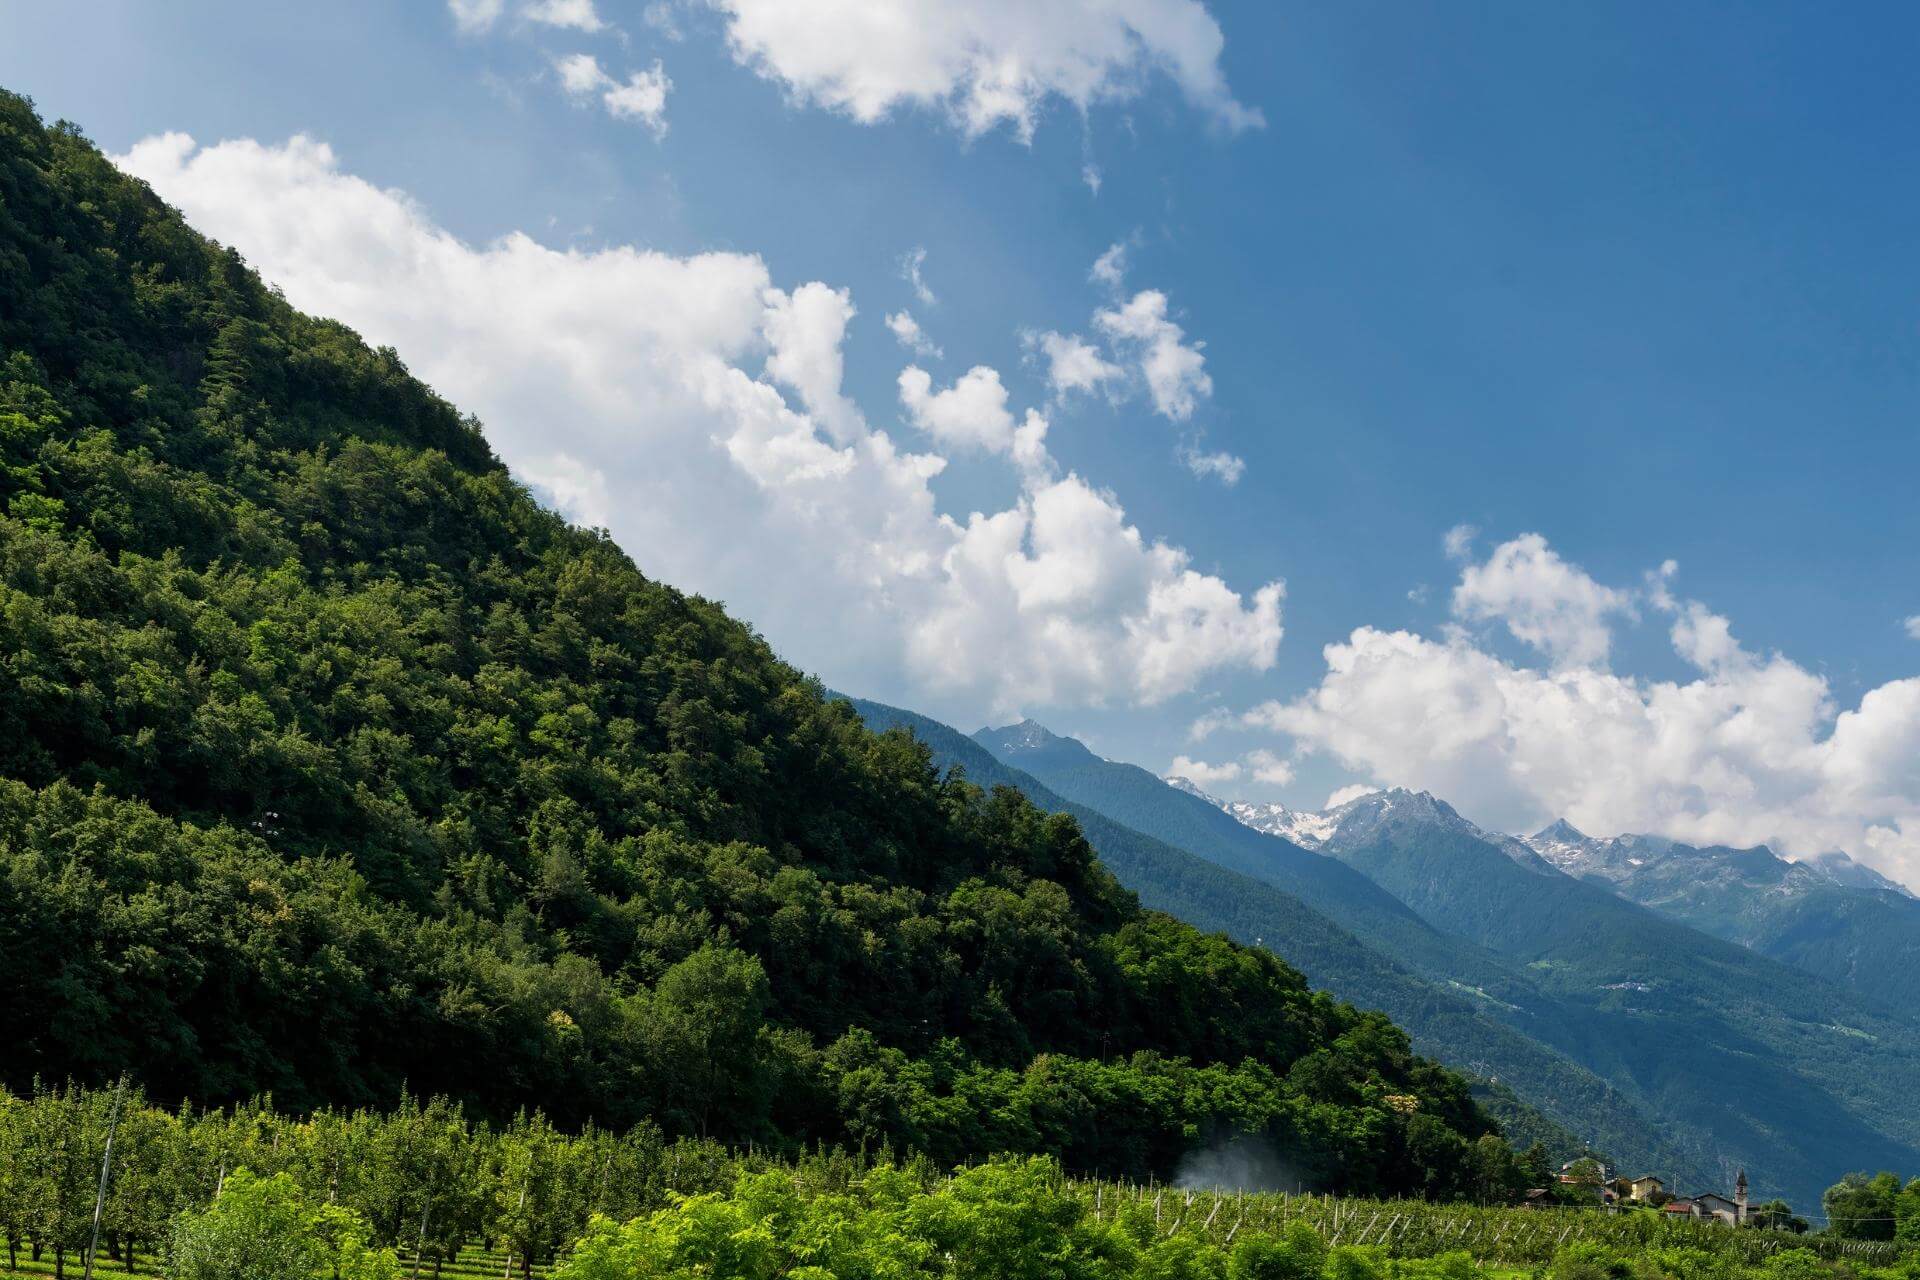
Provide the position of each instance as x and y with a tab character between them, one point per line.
420	1246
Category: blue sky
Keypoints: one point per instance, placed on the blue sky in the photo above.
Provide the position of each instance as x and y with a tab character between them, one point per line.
1642	283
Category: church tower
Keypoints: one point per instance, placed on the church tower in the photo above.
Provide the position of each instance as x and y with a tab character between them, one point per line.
1740	1198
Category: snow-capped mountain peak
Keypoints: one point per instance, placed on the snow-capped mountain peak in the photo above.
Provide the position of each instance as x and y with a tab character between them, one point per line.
1841	869
1354	821
1028	739
1560	831
1308	830
1193	788
1028	735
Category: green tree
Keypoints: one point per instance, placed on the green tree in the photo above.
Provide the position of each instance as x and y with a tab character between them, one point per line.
1776	1215
1862	1207
703	1027
16	1176
531	1209
65	1138
268	1229
1496	1175
1906	1213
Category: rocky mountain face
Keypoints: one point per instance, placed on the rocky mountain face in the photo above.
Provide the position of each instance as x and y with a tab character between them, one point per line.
1637	861
1828	915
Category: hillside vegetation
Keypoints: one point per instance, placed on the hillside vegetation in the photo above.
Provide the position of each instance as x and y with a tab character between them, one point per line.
329	761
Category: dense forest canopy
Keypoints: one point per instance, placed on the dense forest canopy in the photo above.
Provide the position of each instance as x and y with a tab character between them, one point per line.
331	762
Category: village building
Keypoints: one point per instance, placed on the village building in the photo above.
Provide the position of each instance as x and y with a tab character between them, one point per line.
1711	1205
1587	1178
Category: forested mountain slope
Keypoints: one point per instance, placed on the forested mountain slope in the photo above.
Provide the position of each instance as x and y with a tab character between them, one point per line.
329	760
1444	1020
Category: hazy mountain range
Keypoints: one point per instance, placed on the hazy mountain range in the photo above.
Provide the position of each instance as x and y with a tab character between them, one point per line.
1664	1040
1827	915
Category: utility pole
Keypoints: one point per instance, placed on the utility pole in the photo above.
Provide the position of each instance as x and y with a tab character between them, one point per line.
106	1163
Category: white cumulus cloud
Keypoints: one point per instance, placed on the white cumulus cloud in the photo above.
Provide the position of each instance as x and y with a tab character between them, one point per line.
1203	775
1751	749
908	333
970	414
1110	268
1268	767
576	15
641	97
1174	369
1073	363
1142	348
1544	601
693	407
1225	467
985	63
805	330
474	16
1912	626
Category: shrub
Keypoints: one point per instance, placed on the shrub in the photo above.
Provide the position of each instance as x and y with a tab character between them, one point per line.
1300	1254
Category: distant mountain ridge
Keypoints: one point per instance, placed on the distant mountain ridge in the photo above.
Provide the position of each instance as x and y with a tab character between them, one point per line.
1618	859
1666	1012
1827	915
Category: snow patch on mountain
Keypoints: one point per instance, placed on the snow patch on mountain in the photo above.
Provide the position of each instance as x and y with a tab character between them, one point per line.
1352	823
1615	860
1308	830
